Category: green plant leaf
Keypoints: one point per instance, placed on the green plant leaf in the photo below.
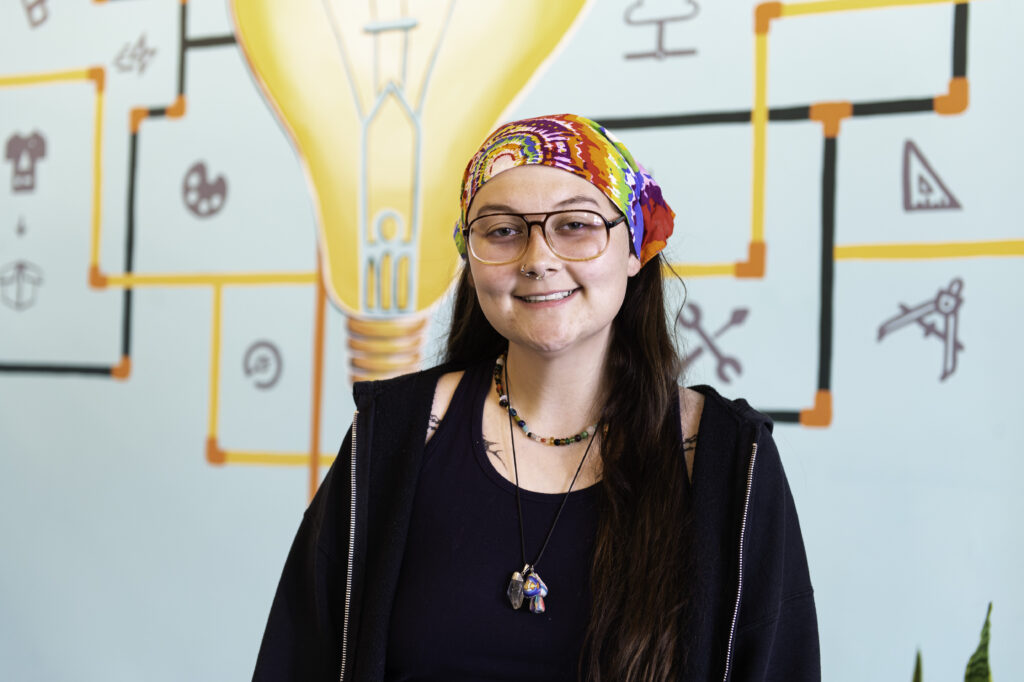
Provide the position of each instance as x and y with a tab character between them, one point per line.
977	666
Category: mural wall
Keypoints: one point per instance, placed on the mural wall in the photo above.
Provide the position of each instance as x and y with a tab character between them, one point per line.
214	216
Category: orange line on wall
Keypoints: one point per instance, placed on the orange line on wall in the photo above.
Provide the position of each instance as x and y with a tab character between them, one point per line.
318	370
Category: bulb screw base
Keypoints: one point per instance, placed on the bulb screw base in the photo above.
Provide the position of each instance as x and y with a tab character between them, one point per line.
384	348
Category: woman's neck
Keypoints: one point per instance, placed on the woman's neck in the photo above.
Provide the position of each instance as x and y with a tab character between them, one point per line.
556	393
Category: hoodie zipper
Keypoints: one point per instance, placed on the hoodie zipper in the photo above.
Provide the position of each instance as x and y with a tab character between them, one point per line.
739	585
351	551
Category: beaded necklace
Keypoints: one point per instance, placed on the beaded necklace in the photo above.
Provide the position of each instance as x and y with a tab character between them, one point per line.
499	386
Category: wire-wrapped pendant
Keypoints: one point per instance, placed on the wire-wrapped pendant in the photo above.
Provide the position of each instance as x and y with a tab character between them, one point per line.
536	590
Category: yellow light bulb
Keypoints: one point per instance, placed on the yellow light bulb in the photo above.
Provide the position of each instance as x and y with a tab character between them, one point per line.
386	101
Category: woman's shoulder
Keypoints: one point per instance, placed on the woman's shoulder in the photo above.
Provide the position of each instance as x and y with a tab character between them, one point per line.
444	391
691	407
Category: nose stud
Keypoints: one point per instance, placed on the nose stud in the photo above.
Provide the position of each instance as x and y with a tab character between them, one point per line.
530	273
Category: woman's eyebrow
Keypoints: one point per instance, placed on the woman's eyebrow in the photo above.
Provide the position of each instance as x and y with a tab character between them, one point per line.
577	199
498	208
569	201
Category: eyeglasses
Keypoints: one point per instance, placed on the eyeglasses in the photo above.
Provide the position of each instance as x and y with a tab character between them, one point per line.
572	235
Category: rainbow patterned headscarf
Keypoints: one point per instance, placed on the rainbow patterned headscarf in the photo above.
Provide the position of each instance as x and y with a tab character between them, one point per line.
584	148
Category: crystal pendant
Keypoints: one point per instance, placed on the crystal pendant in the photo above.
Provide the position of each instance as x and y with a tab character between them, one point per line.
515	590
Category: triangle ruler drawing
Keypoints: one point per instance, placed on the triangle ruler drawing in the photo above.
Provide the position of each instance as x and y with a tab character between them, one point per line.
923	189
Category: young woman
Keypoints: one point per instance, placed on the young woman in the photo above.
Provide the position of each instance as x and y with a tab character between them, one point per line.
555	442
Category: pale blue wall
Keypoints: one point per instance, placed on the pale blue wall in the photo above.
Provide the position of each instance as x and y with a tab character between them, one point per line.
124	555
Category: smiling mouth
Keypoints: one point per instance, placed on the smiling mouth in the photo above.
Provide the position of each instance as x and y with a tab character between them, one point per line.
557	296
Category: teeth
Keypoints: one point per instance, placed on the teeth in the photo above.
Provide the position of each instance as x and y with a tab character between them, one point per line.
549	297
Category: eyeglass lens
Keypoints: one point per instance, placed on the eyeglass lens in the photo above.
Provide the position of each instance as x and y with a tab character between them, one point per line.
576	235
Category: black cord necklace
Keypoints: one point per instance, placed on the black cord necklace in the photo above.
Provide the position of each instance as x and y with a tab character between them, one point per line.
527	583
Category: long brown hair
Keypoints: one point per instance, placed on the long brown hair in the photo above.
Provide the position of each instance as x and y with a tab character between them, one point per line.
642	553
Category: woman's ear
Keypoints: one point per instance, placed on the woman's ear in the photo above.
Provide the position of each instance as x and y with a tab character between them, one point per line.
633	266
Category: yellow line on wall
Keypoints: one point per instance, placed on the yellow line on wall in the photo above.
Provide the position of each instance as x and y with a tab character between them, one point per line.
701	269
1013	247
825	6
211	428
97	181
295	459
215	279
759	120
40	78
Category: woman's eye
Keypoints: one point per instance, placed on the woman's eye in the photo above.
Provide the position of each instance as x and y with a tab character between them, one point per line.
503	231
574	227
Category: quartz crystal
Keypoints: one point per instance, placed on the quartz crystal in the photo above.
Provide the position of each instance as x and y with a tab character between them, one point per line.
515	590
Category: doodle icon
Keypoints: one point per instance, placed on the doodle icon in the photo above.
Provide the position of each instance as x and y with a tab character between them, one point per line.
135	57
923	189
689	317
35	11
946	304
262	362
24	152
659	13
19	282
202	197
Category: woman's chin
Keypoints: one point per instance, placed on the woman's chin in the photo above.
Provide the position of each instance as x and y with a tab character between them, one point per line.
542	344
554	345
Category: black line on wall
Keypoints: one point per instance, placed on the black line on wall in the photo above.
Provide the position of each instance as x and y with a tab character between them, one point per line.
26	368
960	40
672	120
898	106
828	238
182	43
786	416
210	41
129	247
798	113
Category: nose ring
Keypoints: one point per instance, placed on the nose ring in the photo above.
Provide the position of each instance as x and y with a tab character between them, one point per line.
530	273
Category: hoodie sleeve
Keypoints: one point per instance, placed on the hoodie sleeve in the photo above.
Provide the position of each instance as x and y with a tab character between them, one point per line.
777	630
302	640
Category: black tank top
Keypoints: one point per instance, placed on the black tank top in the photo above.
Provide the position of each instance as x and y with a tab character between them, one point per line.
451	619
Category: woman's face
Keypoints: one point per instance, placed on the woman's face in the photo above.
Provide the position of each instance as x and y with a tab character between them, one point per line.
579	321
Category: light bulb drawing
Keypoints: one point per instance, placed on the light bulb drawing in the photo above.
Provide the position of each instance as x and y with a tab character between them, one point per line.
385	101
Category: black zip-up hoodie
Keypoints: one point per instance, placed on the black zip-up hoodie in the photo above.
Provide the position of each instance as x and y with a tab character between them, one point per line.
753	619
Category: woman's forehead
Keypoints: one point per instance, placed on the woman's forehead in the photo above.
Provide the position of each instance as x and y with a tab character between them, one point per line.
536	188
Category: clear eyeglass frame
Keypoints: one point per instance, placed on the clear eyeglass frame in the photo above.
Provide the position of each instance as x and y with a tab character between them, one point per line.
543	221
